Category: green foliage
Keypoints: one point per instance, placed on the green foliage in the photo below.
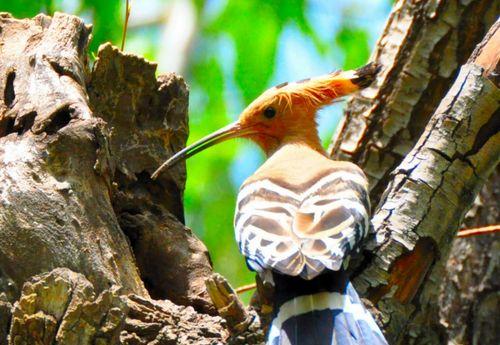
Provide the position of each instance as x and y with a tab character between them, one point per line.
107	18
354	43
209	196
256	39
26	8
254	27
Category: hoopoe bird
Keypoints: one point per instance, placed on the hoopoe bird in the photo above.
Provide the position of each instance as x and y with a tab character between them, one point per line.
301	214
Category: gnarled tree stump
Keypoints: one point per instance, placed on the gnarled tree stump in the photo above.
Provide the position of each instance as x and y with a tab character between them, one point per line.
77	146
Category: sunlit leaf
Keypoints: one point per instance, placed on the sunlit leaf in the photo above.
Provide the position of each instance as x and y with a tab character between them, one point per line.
26	8
107	20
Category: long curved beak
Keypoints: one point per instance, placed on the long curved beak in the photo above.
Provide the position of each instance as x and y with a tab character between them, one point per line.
233	130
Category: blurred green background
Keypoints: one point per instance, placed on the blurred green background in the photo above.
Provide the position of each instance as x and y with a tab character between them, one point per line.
229	51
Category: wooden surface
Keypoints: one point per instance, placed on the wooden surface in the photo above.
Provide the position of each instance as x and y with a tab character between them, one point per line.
426	200
421	49
77	146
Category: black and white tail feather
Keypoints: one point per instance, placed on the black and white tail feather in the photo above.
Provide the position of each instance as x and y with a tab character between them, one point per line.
299	239
323	311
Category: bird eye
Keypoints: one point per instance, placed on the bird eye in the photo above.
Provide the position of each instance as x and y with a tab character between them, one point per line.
269	112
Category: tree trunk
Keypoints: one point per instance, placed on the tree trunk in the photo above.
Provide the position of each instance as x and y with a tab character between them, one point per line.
469	297
77	147
423	205
425	202
422	48
55	162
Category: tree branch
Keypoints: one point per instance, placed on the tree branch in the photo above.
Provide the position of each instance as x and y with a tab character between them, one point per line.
484	230
429	194
421	49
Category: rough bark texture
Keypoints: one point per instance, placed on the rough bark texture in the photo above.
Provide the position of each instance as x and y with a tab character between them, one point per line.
62	306
428	196
5	315
421	49
469	298
147	118
77	147
54	161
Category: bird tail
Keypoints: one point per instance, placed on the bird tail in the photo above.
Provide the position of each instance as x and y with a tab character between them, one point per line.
323	311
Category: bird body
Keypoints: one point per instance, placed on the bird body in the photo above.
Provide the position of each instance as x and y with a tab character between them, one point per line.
301	212
300	215
297	220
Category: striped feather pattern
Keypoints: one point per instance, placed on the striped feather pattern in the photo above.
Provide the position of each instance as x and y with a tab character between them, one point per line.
325	318
325	310
302	229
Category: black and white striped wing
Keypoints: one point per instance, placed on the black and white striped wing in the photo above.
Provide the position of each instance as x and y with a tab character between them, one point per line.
263	223
332	220
302	230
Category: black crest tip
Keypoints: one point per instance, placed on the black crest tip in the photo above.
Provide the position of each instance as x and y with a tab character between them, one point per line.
366	75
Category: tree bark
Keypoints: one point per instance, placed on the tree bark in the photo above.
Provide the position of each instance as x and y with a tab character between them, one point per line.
469	297
62	306
421	49
55	161
428	196
77	146
148	121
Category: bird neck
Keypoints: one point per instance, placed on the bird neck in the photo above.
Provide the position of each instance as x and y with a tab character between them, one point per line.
295	163
309	140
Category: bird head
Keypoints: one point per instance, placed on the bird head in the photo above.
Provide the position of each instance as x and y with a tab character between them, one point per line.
284	113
